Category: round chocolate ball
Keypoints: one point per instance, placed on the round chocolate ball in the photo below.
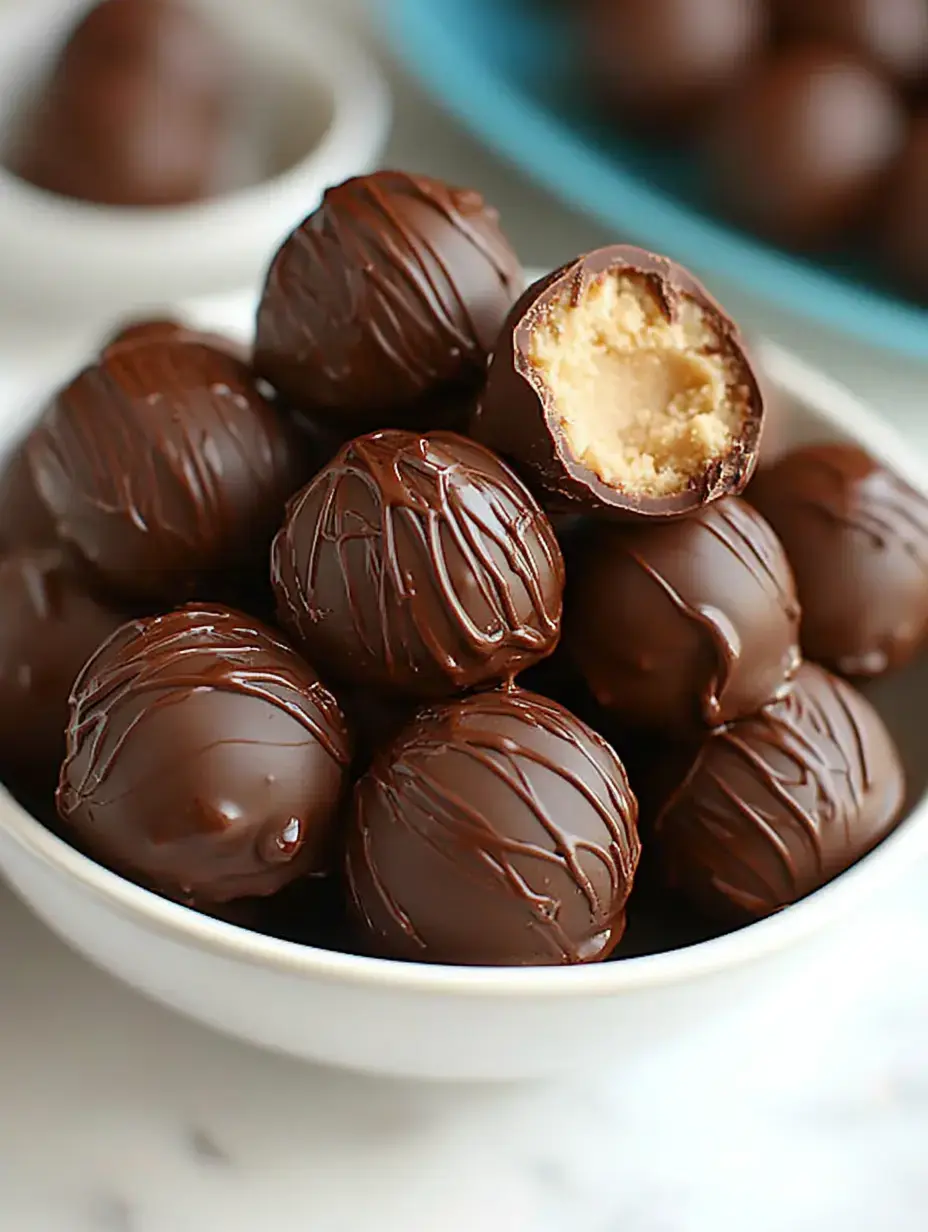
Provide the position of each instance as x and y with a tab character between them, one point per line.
166	468
686	624
418	565
891	34
620	387
151	329
24	519
904	235
497	830
661	62
857	538
394	288
777	804
799	149
205	759
50	624
135	110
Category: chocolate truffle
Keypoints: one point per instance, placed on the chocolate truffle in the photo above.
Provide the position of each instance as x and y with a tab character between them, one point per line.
205	759
779	803
799	148
49	626
395	287
24	520
497	830
418	565
135	110
685	624
904	233
164	328
620	387
857	538
166	468
661	62
891	34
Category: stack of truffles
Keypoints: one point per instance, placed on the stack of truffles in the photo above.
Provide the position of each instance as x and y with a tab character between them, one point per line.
419	623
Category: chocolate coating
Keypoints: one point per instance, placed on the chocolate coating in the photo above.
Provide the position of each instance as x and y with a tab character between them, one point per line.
891	34
418	565
24	520
164	466
799	149
661	62
857	538
135	109
166	329
395	287
779	803
903	235
685	624
497	830
50	624
205	759
518	415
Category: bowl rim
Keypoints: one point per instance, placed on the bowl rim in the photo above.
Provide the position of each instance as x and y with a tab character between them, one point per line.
360	104
183	926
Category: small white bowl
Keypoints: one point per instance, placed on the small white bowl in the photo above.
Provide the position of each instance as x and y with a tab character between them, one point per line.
462	1022
306	90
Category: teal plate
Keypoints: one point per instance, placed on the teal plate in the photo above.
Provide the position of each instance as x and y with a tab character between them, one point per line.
506	68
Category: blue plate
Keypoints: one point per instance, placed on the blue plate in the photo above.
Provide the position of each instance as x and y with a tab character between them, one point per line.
506	68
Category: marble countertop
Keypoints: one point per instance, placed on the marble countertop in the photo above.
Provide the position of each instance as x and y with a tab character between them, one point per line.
804	1113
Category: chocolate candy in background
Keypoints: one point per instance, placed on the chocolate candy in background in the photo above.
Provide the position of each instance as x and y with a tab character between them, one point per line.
778	804
167	470
684	625
136	110
24	520
619	387
393	290
799	149
151	329
50	624
857	538
903	231
497	830
205	758
418	566
660	63
891	34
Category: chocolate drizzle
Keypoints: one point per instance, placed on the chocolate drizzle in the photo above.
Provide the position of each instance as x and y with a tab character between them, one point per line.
777	804
261	807
395	286
505	801
419	563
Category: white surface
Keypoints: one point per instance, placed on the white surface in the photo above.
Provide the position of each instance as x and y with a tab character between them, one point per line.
119	1117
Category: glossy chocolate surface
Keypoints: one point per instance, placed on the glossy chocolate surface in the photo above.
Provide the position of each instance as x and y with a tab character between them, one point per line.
891	34
166	468
687	624
153	329
205	759
49	626
799	149
24	520
517	417
857	538
418	565
778	804
395	287
497	830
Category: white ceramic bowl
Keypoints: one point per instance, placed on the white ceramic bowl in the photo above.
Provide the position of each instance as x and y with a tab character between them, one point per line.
314	109
458	1022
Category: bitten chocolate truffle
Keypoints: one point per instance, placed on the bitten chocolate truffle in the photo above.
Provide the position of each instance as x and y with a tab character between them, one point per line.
857	538
779	803
799	149
49	626
395	287
684	624
620	387
135	110
891	34
205	759
166	468
497	830
903	234
418	565
662	62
